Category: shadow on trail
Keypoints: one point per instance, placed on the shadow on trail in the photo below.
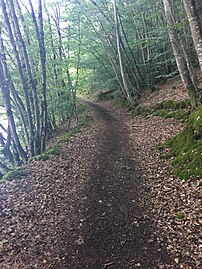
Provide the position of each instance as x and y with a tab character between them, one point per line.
118	231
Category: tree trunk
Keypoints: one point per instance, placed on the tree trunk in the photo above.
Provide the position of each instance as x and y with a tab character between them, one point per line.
194	23
123	75
42	51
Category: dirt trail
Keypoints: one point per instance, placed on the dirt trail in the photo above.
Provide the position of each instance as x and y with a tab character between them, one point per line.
117	231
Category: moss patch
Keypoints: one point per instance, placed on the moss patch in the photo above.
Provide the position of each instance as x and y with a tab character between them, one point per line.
42	157
180	114
52	151
167	109
172	104
186	148
15	173
180	215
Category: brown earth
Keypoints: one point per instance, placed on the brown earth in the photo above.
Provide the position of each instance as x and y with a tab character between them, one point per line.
108	201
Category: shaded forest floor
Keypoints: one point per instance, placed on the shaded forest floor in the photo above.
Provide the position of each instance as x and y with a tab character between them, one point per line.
107	201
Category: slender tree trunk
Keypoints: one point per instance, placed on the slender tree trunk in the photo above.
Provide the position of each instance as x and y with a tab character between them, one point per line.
4	167
77	69
43	79
42	51
123	75
136	76
194	23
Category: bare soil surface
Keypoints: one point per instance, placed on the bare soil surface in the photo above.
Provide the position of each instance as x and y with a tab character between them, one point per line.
102	202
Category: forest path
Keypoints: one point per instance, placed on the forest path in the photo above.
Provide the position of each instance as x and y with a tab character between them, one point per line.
118	230
89	207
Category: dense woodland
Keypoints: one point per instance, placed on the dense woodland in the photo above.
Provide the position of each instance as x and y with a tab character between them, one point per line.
51	50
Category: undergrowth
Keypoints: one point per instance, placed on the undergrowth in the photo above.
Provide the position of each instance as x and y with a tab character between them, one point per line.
84	118
83	121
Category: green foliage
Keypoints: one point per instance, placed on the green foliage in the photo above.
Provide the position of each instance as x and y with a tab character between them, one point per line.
84	119
15	173
42	157
186	148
